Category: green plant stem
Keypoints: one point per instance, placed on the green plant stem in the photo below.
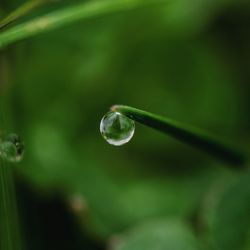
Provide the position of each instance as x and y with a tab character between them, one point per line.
70	15
9	226
185	133
10	238
21	11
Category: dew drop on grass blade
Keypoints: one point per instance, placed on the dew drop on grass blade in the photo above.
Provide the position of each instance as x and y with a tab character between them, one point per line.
117	129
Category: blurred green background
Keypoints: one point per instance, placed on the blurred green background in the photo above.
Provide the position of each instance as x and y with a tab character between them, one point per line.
185	59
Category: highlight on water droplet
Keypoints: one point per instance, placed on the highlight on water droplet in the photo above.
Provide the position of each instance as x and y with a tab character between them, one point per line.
117	129
11	147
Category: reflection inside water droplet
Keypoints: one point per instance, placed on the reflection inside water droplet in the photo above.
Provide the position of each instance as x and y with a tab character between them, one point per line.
116	128
11	147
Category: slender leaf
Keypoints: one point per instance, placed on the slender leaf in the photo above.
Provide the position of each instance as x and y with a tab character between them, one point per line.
21	11
185	133
9	226
60	18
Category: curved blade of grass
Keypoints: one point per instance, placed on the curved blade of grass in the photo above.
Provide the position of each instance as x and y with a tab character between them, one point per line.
185	133
70	15
21	11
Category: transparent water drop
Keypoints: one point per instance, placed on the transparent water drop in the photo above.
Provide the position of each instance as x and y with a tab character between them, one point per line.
11	147
117	129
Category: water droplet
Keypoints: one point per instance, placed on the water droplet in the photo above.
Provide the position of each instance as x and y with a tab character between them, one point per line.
11	147
116	128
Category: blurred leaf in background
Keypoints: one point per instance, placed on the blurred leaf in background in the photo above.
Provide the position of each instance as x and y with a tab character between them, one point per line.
162	234
186	59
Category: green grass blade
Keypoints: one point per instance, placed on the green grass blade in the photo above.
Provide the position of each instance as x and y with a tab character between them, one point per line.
10	238
60	18
9	224
21	11
185	133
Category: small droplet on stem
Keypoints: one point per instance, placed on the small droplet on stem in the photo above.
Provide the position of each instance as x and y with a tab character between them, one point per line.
116	128
11	147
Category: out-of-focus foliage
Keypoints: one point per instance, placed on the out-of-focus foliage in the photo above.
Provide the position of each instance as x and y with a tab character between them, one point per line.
230	218
186	59
159	235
